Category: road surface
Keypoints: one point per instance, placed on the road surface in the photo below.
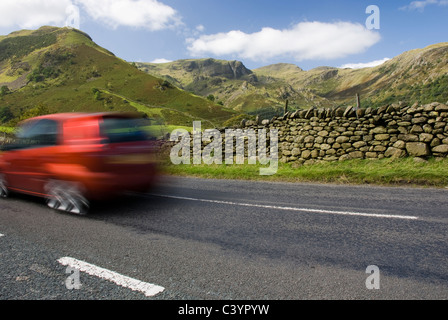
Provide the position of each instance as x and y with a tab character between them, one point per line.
195	239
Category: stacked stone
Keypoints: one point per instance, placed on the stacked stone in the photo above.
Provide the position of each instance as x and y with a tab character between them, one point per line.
308	136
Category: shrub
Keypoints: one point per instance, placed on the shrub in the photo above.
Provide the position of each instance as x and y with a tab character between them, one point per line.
4	90
5	114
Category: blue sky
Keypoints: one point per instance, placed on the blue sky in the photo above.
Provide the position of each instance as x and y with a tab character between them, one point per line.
256	32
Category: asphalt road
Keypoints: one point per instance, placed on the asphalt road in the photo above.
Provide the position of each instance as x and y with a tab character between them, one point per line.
194	239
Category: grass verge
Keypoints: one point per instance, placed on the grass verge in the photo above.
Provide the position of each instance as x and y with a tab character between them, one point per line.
397	172
7	130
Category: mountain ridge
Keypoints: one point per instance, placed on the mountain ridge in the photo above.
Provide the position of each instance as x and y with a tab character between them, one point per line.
418	75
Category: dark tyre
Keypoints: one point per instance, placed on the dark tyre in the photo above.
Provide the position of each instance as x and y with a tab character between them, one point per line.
3	189
66	196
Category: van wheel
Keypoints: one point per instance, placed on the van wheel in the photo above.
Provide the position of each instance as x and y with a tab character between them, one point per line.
3	189
66	196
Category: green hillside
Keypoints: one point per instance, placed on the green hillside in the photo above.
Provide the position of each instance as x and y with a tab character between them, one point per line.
418	75
53	70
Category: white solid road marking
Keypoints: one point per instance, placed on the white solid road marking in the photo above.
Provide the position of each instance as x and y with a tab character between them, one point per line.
1	235
374	215
147	289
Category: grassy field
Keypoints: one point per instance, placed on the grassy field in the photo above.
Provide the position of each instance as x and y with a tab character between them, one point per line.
402	172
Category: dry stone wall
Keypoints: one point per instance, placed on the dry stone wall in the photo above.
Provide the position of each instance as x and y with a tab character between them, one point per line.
395	131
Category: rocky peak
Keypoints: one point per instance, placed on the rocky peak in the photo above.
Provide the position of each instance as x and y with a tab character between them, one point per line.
217	68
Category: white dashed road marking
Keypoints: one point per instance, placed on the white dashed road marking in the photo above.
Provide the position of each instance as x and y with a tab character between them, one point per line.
347	213
147	289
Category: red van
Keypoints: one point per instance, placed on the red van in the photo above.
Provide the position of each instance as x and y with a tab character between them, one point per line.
73	158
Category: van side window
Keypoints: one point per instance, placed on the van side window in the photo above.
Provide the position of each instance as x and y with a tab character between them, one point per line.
118	130
38	133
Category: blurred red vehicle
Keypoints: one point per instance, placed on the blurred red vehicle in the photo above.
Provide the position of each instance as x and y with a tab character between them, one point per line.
73	158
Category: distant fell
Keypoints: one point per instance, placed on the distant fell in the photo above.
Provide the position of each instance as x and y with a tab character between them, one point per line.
419	75
278	70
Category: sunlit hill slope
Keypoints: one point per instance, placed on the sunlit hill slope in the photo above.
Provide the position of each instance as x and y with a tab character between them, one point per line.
61	69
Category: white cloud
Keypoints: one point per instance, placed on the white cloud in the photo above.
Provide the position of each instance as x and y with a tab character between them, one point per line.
161	60
200	28
420	5
27	14
304	41
364	65
149	14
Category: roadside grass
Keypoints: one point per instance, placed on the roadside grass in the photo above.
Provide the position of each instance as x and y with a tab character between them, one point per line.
396	172
7	130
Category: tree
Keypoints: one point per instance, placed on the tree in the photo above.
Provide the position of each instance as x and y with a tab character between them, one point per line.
5	114
4	90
